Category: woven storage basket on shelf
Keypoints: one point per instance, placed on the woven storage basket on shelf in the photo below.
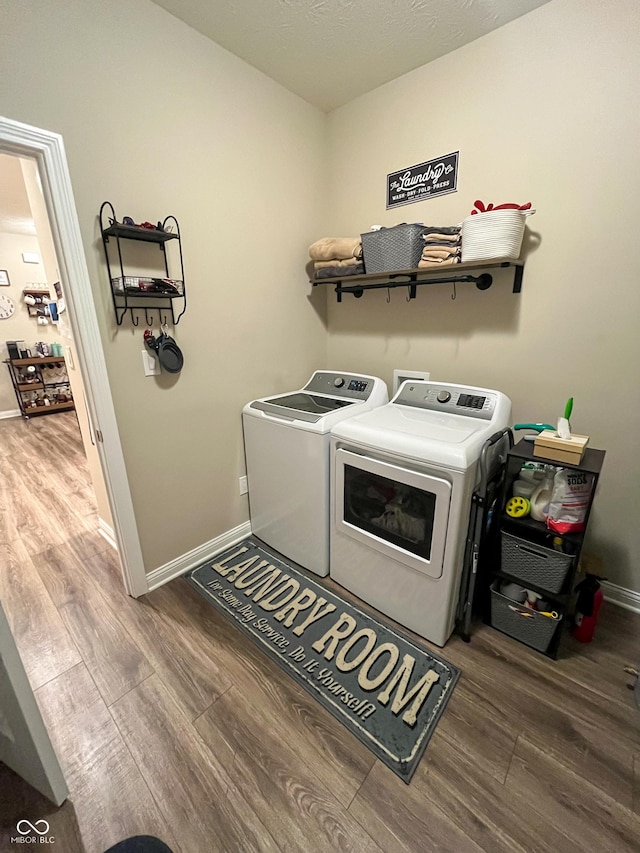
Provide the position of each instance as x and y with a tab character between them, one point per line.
390	249
493	234
533	563
535	629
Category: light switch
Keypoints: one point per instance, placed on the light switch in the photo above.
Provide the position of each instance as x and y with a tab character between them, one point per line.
151	365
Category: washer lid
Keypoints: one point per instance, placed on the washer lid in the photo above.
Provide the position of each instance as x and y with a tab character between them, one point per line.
304	407
325	400
452	441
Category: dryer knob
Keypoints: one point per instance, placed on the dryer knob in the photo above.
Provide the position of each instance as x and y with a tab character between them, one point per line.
443	396
338	381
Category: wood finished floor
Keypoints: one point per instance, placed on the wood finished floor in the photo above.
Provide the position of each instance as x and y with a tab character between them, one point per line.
168	721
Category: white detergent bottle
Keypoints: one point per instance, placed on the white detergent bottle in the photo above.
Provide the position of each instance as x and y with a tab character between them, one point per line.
542	495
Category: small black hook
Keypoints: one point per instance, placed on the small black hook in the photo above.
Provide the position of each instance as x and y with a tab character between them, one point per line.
455	293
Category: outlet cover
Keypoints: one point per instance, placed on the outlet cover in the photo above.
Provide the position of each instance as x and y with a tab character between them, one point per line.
151	364
244	488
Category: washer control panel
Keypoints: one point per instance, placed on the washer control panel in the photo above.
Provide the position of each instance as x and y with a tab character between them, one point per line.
350	385
451	399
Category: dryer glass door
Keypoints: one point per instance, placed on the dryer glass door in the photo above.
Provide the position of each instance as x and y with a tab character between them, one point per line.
393	510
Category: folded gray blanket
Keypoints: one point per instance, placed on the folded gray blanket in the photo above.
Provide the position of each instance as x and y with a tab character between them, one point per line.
341	272
441	229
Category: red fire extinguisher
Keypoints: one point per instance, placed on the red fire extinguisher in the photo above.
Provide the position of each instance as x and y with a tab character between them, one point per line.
589	601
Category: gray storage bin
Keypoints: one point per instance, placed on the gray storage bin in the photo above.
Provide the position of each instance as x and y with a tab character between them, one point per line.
534	630
533	563
390	249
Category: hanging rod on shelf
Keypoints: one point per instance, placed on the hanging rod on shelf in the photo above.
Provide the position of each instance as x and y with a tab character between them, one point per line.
482	282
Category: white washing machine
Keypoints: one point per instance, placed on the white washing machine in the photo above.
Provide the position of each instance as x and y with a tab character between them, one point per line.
286	441
402	480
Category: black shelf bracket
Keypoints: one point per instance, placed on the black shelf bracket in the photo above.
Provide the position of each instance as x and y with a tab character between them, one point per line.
482	282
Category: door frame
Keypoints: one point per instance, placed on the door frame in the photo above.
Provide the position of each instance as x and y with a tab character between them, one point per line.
48	150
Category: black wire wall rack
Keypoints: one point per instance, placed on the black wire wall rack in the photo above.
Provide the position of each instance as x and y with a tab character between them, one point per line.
141	294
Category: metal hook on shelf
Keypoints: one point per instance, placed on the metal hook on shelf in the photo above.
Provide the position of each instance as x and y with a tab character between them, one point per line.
146	317
455	292
134	319
408	296
388	295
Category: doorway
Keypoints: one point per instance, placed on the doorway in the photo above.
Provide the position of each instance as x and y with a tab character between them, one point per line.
47	150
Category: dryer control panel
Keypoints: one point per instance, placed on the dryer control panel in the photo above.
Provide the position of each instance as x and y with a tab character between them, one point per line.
452	399
349	385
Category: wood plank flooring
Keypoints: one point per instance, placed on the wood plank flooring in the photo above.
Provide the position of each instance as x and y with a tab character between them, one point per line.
168	721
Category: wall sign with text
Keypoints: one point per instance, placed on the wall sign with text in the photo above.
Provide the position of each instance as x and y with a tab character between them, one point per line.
426	180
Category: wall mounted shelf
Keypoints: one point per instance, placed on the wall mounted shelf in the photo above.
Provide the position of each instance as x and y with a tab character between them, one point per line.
141	294
413	278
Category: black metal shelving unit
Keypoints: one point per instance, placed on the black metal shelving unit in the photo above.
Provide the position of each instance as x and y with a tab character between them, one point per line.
414	278
545	543
137	294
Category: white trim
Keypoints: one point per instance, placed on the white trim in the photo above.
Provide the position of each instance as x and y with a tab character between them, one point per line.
181	565
627	598
106	531
48	150
10	413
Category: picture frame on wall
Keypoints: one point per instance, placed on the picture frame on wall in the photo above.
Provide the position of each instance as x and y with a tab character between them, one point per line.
4	277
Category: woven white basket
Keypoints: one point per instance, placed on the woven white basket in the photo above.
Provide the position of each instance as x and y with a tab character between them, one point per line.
493	234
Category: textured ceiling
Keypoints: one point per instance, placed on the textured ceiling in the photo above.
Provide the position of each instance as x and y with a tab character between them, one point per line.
331	51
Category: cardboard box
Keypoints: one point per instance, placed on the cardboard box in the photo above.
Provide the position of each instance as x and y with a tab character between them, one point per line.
548	445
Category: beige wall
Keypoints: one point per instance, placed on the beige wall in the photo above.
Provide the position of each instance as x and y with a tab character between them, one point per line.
544	109
158	120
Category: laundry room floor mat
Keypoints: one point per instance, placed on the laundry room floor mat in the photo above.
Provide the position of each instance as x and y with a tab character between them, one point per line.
388	691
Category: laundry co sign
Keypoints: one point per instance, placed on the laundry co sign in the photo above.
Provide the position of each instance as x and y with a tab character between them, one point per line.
383	687
426	180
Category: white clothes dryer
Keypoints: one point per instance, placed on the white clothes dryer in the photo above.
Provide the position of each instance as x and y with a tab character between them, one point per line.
286	441
402	480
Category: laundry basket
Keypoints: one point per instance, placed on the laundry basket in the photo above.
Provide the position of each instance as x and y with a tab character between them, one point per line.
390	249
493	234
532	563
534	629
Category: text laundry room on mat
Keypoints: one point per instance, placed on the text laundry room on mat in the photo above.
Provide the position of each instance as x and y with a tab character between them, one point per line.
383	687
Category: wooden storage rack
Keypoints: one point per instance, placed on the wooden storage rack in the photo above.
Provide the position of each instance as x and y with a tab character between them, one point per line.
21	388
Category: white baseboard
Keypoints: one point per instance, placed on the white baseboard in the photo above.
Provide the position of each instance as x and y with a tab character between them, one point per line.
626	598
107	533
10	413
204	552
